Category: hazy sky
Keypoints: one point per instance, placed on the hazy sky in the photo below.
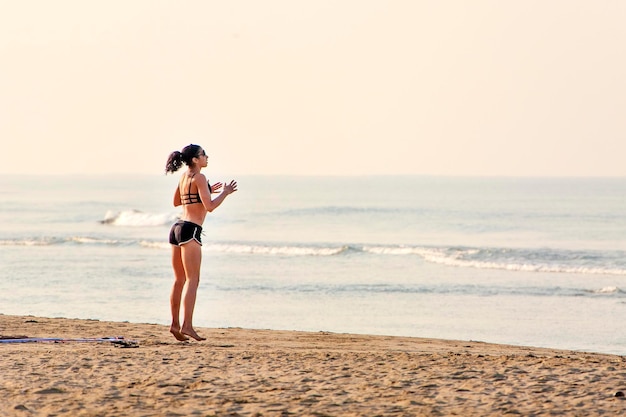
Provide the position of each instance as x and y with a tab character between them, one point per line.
315	87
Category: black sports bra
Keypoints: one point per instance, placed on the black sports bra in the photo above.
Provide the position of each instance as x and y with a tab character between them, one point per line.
189	197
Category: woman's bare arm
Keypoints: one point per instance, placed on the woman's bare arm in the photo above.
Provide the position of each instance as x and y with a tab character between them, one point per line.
203	189
177	201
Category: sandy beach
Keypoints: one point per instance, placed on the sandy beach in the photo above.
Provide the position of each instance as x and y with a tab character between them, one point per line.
240	372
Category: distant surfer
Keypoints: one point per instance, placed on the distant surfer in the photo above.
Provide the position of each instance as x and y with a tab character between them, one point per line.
194	195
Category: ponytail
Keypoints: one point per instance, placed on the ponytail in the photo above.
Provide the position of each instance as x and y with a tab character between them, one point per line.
176	159
174	162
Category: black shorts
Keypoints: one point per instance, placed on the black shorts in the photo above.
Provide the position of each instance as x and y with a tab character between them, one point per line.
183	232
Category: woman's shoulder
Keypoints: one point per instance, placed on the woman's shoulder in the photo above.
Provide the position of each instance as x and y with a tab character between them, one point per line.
198	176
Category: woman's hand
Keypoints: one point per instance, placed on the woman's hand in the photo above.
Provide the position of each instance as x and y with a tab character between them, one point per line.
216	187
230	188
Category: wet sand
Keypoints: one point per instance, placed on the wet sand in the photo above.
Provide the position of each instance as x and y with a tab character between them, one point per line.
240	372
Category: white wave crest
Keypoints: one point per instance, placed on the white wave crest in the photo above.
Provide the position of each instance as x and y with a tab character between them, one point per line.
25	242
276	250
155	245
466	257
456	259
48	241
91	240
608	290
383	250
138	218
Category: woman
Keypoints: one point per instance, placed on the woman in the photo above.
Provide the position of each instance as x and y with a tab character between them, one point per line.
194	194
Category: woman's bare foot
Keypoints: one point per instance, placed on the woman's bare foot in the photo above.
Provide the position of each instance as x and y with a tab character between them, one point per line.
178	334
192	333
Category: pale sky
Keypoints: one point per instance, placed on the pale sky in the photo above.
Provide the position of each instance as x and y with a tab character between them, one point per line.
316	87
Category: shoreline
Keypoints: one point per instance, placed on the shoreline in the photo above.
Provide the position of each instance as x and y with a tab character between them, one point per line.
276	372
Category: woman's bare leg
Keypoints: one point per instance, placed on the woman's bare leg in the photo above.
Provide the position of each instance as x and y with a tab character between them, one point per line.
176	294
191	254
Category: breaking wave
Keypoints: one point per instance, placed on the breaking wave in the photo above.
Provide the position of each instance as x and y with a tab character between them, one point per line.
138	218
528	260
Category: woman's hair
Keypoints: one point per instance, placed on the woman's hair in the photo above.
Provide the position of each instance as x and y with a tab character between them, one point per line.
176	159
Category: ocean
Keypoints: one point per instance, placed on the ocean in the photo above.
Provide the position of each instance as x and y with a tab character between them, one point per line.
522	261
